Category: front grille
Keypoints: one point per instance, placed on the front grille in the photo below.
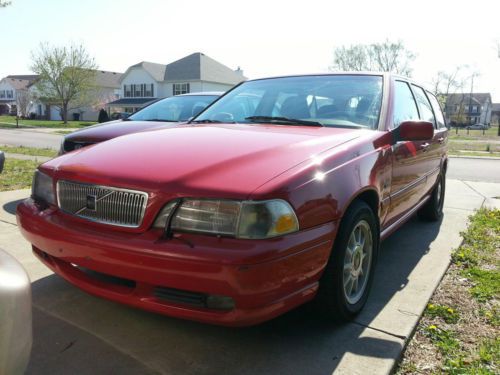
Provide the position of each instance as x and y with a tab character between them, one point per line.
181	296
102	204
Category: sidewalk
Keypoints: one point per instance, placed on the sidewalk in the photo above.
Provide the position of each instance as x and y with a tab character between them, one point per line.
97	334
40	159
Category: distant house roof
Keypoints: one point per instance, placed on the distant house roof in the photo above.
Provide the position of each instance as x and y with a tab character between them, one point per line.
196	66
465	99
108	79
157	71
495	107
20	82
27	77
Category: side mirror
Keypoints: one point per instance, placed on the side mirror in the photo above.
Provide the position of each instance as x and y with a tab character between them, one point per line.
414	131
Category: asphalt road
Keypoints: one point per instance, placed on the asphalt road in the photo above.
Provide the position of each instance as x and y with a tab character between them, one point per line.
30	138
473	169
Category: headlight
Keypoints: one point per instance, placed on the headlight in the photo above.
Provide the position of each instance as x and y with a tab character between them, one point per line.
42	188
61	147
242	219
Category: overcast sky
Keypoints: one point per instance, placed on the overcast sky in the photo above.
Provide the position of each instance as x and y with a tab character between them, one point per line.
262	37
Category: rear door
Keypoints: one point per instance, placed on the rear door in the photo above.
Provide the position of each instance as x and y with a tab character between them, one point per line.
433	147
441	132
410	159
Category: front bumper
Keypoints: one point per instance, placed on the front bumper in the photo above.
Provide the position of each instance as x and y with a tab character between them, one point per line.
265	278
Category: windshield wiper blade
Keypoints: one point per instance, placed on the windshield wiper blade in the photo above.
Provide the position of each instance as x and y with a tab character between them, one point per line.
159	120
283	120
205	121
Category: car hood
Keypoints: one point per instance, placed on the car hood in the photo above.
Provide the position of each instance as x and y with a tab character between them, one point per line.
103	132
214	160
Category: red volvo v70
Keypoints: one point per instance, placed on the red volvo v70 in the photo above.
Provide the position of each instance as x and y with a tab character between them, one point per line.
278	193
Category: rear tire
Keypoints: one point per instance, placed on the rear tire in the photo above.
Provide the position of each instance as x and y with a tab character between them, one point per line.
348	276
433	209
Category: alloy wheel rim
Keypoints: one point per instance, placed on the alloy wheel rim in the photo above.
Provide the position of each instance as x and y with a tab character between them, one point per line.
357	262
439	188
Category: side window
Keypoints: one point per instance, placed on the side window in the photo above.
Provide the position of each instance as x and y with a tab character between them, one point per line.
404	104
437	111
424	106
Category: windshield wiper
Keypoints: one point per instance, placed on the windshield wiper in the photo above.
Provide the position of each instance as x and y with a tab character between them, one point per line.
159	120
283	120
205	121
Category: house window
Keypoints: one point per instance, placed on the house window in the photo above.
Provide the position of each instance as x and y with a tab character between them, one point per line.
474	108
180	88
466	108
2	94
142	90
10	94
127	91
149	90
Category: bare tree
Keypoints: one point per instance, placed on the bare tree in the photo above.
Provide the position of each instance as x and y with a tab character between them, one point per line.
451	82
386	56
66	76
24	100
353	58
3	4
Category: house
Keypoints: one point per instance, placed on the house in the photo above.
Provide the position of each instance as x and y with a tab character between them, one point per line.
495	113
106	88
10	87
145	82
468	109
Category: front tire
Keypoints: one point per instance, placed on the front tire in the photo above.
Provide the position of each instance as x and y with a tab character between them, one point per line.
433	209
348	276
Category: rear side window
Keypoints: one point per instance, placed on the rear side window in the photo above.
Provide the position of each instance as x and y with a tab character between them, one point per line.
404	105
425	108
437	110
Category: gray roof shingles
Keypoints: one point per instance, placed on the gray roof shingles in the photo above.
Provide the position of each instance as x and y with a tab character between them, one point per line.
477	98
196	66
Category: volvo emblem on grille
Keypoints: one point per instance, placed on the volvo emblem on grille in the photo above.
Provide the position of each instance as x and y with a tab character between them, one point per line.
91	202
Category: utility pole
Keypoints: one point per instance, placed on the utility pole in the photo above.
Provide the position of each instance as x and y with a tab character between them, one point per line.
470	98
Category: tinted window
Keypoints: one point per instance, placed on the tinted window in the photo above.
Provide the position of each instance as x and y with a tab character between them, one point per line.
437	110
404	104
173	109
424	106
332	100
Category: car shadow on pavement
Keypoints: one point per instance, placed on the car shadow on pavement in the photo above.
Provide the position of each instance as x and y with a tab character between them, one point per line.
10	207
298	342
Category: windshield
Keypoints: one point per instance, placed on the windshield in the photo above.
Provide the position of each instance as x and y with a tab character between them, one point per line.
324	100
174	109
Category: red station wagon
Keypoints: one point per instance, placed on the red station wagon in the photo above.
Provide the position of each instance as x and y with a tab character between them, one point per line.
278	193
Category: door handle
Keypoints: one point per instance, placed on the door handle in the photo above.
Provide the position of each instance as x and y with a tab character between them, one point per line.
441	140
424	146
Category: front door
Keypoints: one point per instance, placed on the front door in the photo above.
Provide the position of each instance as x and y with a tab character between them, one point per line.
410	160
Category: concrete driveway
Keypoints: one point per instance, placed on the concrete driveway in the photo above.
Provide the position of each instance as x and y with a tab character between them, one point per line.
77	333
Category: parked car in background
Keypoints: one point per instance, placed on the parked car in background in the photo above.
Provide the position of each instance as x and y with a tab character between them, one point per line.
477	127
278	193
120	115
15	316
155	116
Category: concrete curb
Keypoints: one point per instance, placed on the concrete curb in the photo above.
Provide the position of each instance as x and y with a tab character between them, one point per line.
473	157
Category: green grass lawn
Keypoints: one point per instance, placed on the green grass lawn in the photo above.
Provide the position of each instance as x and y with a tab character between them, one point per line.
29	151
17	174
491	133
459	332
10	121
